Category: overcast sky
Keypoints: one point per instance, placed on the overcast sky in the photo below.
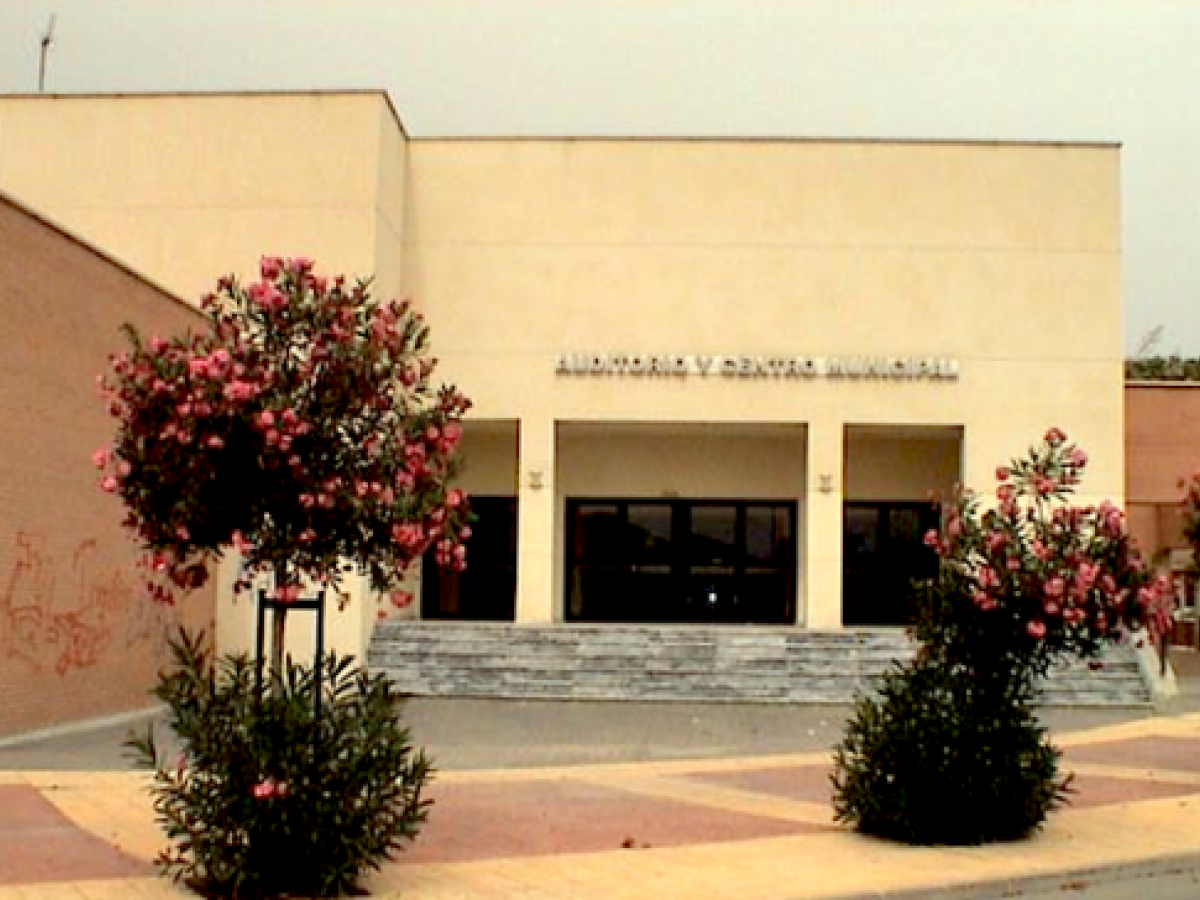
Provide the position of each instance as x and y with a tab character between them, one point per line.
1111	70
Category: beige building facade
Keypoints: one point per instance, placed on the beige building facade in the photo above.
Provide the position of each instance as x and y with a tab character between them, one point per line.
713	380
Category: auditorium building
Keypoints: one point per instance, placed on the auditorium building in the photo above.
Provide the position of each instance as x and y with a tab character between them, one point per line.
714	381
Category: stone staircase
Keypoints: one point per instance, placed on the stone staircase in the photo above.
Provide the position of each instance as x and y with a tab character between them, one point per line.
751	664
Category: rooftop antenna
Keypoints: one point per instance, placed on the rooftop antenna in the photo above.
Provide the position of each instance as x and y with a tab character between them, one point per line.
47	40
1148	342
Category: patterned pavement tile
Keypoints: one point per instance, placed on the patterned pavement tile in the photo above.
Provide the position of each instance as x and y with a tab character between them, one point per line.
811	784
1173	753
1092	790
808	783
39	844
506	819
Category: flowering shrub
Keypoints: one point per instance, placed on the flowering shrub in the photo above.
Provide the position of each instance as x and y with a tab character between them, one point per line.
263	798
301	429
949	751
932	759
1045	580
1190	510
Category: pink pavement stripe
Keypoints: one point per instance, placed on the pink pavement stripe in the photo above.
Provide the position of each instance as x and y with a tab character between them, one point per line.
540	818
1172	753
39	844
1098	790
811	783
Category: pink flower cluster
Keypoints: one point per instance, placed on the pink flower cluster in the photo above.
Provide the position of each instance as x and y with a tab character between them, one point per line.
268	296
309	429
1189	510
1069	575
167	572
287	593
269	789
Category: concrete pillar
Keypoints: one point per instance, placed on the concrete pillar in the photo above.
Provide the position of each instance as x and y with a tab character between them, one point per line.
982	452
821	559
535	521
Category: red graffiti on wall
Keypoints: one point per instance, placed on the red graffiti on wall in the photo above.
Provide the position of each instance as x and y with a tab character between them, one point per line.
29	591
106	606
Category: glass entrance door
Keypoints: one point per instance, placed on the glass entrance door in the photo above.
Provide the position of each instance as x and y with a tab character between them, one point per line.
487	589
883	553
680	561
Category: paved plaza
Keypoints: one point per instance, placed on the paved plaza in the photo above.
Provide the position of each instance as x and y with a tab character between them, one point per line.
643	818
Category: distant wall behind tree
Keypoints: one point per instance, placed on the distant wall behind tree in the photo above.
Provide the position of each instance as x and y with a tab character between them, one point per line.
1162	445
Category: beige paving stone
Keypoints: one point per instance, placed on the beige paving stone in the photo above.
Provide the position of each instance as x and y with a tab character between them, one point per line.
117	810
132	889
730	799
412	881
492	879
1134	773
578	869
1177	726
157	889
616	771
51	891
707	872
105	890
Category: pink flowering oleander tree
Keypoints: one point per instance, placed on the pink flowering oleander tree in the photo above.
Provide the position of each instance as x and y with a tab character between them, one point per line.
1045	580
1190	511
301	429
948	750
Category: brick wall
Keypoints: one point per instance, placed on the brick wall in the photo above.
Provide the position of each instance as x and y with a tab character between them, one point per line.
78	637
1162	445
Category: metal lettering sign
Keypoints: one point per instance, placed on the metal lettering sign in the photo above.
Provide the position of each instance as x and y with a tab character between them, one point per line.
890	368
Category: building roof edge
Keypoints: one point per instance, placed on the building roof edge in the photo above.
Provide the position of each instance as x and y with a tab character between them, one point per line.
266	92
767	139
558	137
9	200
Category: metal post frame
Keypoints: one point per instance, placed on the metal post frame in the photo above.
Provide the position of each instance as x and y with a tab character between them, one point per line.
280	607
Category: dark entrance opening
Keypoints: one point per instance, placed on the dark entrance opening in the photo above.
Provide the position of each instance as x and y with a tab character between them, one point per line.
487	589
731	561
883	552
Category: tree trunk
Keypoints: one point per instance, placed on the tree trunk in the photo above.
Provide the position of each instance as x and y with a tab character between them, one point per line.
278	630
